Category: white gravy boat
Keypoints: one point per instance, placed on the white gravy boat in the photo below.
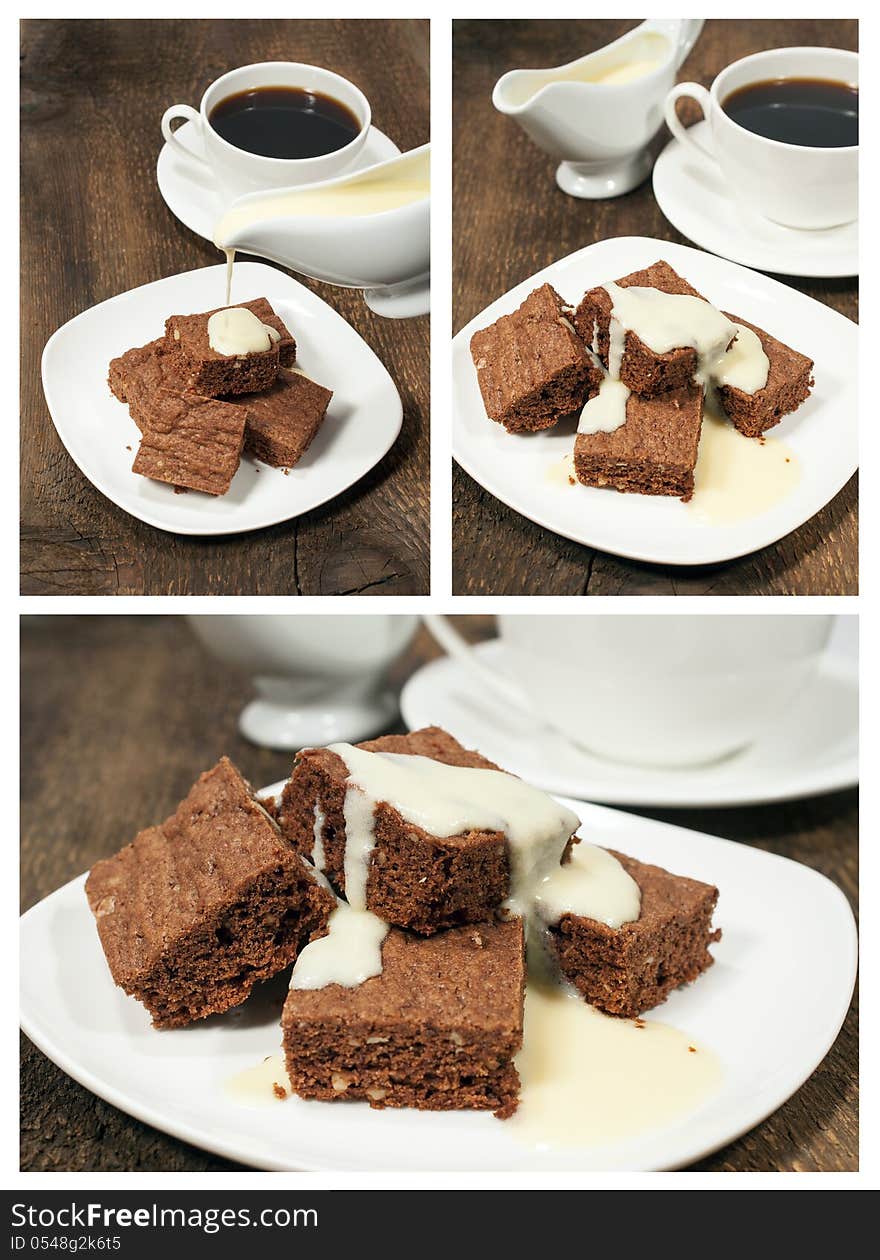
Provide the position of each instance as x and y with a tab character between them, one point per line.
600	113
369	230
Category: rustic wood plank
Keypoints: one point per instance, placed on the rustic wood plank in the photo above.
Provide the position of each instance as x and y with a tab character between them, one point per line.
510	221
95	770
92	98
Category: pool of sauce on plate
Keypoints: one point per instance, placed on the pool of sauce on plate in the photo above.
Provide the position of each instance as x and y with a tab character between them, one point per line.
259	1086
735	478
738	477
561	471
588	1079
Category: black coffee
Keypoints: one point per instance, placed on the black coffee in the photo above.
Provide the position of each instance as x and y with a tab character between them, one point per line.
284	122
821	113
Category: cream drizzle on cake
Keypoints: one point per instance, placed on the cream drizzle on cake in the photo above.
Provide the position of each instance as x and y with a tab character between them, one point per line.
727	353
318	833
446	801
667	321
349	954
605	412
592	884
586	1078
351	951
236	330
745	365
230	263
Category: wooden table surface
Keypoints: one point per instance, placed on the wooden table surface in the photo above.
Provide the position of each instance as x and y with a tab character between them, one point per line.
95	225
120	714
510	221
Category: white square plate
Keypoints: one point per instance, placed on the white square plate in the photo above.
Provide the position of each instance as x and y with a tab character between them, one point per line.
770	1008
823	432
362	422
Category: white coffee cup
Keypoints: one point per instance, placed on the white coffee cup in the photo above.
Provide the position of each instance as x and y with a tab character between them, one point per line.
318	678
796	185
650	690
239	172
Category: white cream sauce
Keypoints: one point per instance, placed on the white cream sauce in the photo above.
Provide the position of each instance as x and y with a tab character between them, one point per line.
667	321
349	954
236	330
737	477
260	1086
449	801
588	1079
592	884
606	411
745	365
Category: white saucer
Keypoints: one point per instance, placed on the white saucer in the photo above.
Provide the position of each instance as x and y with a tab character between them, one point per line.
770	1008
693	196
363	419
522	469
197	201
811	748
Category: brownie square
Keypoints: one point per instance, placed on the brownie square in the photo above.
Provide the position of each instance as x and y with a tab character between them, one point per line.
194	912
437	1029
789	381
642	370
635	967
141	363
531	366
415	880
653	452
190	441
139	377
214	374
283	420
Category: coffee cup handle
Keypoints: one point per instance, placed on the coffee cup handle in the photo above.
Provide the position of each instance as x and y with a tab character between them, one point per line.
171	137
698	93
454	645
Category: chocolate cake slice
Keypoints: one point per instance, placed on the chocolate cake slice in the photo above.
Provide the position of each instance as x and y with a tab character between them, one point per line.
142	368
189	441
789	380
630	969
283	421
653	452
415	880
194	912
644	371
214	374
531	366
437	1030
